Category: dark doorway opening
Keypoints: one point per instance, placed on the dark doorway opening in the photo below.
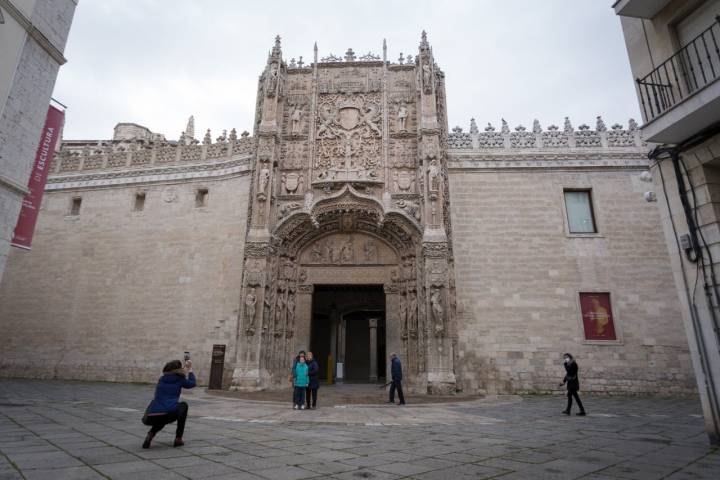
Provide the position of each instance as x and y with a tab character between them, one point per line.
348	327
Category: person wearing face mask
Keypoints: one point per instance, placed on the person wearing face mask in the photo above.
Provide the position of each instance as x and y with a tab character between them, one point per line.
573	384
301	381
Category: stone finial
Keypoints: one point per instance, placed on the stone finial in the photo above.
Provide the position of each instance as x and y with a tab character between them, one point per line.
208	138
233	135
292	63
457	129
222	138
300	62
245	134
181	140
401	60
423	38
190	128
600	125
536	126
489	127
632	125
568	128
349	55
505	128
409	59
520	128
473	126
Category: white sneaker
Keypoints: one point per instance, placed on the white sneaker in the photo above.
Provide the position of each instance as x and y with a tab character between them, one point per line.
302	407
294	407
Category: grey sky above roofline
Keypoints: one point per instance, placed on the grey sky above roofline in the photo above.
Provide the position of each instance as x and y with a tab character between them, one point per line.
156	62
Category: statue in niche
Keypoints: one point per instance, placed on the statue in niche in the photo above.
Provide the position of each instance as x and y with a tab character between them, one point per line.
316	254
437	311
427	77
371	251
402	117
403	316
290	311
279	308
330	248
263	179
295	119
272	80
434	175
347	251
250	301
412	312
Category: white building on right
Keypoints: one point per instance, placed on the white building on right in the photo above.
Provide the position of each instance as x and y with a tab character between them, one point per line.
674	51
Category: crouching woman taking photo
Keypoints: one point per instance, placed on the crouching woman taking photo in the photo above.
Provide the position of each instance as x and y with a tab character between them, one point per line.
166	406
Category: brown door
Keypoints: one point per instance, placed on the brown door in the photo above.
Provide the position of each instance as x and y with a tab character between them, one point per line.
216	367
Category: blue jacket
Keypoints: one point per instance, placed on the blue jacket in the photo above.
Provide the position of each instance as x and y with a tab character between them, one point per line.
167	392
396	369
301	375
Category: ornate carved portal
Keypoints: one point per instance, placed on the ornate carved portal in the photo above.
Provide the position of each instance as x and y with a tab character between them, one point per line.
349	187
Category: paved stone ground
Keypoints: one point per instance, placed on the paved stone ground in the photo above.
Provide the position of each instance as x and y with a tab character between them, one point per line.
76	430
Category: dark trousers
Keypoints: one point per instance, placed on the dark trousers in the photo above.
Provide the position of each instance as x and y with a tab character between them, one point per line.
396	384
299	396
574	394
159	421
311	392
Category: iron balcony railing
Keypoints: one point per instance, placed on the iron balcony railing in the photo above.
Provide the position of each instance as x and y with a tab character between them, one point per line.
694	66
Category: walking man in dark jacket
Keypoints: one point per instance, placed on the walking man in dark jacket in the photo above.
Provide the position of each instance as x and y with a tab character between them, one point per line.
573	384
396	373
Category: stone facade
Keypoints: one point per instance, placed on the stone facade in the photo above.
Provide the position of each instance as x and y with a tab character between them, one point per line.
351	178
32	39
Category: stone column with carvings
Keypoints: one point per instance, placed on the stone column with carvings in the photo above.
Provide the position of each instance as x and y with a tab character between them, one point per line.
373	325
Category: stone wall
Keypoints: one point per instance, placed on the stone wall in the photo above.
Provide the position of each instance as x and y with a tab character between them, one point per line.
519	274
113	293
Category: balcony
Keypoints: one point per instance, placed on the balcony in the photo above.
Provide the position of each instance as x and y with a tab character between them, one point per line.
682	95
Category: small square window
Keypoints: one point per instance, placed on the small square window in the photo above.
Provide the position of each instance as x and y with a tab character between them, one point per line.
75	206
580	215
139	202
201	197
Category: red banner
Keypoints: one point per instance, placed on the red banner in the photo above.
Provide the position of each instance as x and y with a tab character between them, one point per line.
22	236
597	316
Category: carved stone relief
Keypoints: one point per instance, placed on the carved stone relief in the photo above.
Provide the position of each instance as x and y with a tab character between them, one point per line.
403	152
348	249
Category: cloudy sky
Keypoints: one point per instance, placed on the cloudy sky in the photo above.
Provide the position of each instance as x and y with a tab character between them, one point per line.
156	62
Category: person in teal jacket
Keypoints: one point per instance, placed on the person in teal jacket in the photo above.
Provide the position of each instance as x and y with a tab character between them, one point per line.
301	379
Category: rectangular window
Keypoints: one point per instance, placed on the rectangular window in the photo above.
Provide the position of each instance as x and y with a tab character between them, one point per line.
201	197
597	316
139	201
75	206
578	204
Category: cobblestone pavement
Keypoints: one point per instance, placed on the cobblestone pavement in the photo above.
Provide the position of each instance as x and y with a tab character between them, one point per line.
77	430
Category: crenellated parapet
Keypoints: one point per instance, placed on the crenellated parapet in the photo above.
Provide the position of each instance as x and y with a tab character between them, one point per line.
139	155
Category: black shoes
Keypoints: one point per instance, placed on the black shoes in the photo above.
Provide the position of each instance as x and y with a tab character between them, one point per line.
566	412
178	442
581	414
148	439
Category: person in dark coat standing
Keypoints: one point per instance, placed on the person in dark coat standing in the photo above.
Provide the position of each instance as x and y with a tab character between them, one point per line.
573	384
396	384
314	374
166	406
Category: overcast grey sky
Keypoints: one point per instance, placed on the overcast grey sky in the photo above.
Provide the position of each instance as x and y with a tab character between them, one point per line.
156	62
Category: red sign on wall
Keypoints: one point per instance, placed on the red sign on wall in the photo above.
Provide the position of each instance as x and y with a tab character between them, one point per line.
597	316
22	236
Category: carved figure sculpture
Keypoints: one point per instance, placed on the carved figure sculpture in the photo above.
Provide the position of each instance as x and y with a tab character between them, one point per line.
437	310
295	120
347	251
412	313
402	117
279	308
434	176
290	313
567	128
272	80
371	251
250	301
505	128
403	316
536	126
263	179
316	254
427	77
